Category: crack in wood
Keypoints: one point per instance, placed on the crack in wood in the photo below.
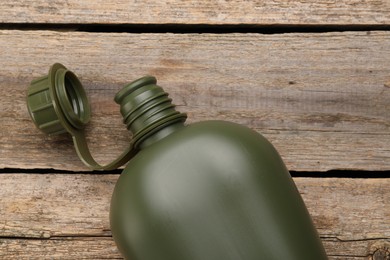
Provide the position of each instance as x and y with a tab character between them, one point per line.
195	28
296	174
57	237
335	238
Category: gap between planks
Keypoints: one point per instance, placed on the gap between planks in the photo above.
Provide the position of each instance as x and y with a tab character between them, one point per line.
195	28
295	174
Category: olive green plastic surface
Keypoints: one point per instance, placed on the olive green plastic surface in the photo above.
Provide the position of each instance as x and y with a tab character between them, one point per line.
57	102
211	190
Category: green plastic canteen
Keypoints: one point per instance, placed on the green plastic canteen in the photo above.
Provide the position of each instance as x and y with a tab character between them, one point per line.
202	191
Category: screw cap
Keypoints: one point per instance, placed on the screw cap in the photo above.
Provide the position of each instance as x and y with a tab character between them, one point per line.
57	102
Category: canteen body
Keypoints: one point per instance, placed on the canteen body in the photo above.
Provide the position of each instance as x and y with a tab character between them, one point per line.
210	190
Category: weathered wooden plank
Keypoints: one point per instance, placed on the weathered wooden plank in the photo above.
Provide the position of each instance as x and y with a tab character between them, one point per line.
59	248
198	12
66	215
322	99
374	249
104	248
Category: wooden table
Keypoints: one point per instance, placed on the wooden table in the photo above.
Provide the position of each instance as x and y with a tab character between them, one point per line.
312	77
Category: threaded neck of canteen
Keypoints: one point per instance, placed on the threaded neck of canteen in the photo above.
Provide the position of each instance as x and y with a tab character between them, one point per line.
146	108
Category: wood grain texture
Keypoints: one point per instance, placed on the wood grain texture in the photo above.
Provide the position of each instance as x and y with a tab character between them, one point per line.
321	99
311	12
63	216
59	248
